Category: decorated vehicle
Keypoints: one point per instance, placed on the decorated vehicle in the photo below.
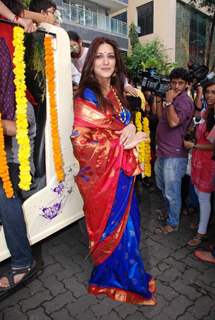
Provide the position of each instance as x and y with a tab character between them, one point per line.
53	201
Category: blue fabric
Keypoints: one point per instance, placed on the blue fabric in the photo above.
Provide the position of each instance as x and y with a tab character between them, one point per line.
12	219
125	116
119	206
124	269
90	96
169	173
193	201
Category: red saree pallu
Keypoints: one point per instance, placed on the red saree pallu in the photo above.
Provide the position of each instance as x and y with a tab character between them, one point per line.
106	182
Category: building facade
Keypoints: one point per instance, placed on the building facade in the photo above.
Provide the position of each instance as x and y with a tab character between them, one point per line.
182	29
94	18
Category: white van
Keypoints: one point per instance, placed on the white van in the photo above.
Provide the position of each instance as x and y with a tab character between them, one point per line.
53	205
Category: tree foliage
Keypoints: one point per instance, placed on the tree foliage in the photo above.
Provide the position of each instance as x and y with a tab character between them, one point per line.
150	54
26	3
133	35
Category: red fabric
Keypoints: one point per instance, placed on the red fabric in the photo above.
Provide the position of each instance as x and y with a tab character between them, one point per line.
6	32
122	295
30	98
203	167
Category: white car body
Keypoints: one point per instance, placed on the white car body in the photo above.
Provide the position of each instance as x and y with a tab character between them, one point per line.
55	205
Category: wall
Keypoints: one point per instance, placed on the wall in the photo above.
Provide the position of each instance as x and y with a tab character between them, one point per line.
164	22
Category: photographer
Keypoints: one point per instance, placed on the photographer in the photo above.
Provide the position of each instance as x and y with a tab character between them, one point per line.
170	165
202	165
200	76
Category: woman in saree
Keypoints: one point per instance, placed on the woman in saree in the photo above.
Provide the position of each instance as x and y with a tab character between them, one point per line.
103	140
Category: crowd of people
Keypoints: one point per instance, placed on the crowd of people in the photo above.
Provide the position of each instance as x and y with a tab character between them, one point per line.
104	140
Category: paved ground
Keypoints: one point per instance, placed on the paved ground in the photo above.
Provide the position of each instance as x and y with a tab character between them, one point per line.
185	286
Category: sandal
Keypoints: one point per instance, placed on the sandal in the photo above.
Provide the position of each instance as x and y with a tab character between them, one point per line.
205	256
197	240
166	229
28	272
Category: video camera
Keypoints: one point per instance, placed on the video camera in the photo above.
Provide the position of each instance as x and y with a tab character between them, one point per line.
199	74
153	82
191	135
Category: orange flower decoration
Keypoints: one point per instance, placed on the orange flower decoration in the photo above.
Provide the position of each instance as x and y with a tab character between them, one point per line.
4	171
50	77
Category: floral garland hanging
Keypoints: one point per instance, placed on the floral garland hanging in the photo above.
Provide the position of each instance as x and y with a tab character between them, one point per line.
4	171
147	162
141	145
21	110
50	77
144	152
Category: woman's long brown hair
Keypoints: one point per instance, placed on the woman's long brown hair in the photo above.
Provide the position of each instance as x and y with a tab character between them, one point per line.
88	79
210	120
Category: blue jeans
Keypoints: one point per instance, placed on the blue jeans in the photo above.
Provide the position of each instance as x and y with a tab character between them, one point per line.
168	174
12	219
193	201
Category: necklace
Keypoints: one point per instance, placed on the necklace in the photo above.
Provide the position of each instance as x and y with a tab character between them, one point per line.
123	114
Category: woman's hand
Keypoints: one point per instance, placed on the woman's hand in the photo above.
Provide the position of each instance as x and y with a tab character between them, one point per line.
27	24
131	90
127	134
139	137
188	144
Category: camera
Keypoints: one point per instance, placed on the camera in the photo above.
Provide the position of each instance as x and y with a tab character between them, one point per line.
154	82
190	135
199	74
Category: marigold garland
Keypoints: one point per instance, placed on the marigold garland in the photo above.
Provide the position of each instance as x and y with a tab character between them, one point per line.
147	163
144	151
4	171
142	98
21	109
50	77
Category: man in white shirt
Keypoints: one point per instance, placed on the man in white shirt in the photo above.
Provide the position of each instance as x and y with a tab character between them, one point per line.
78	52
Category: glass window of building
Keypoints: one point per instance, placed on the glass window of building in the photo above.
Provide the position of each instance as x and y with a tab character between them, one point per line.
122	17
197	37
145	17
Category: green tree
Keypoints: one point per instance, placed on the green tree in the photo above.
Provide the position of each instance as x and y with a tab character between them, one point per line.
209	5
150	54
26	3
133	35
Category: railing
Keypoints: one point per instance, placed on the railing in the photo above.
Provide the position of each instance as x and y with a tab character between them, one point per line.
75	14
124	1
